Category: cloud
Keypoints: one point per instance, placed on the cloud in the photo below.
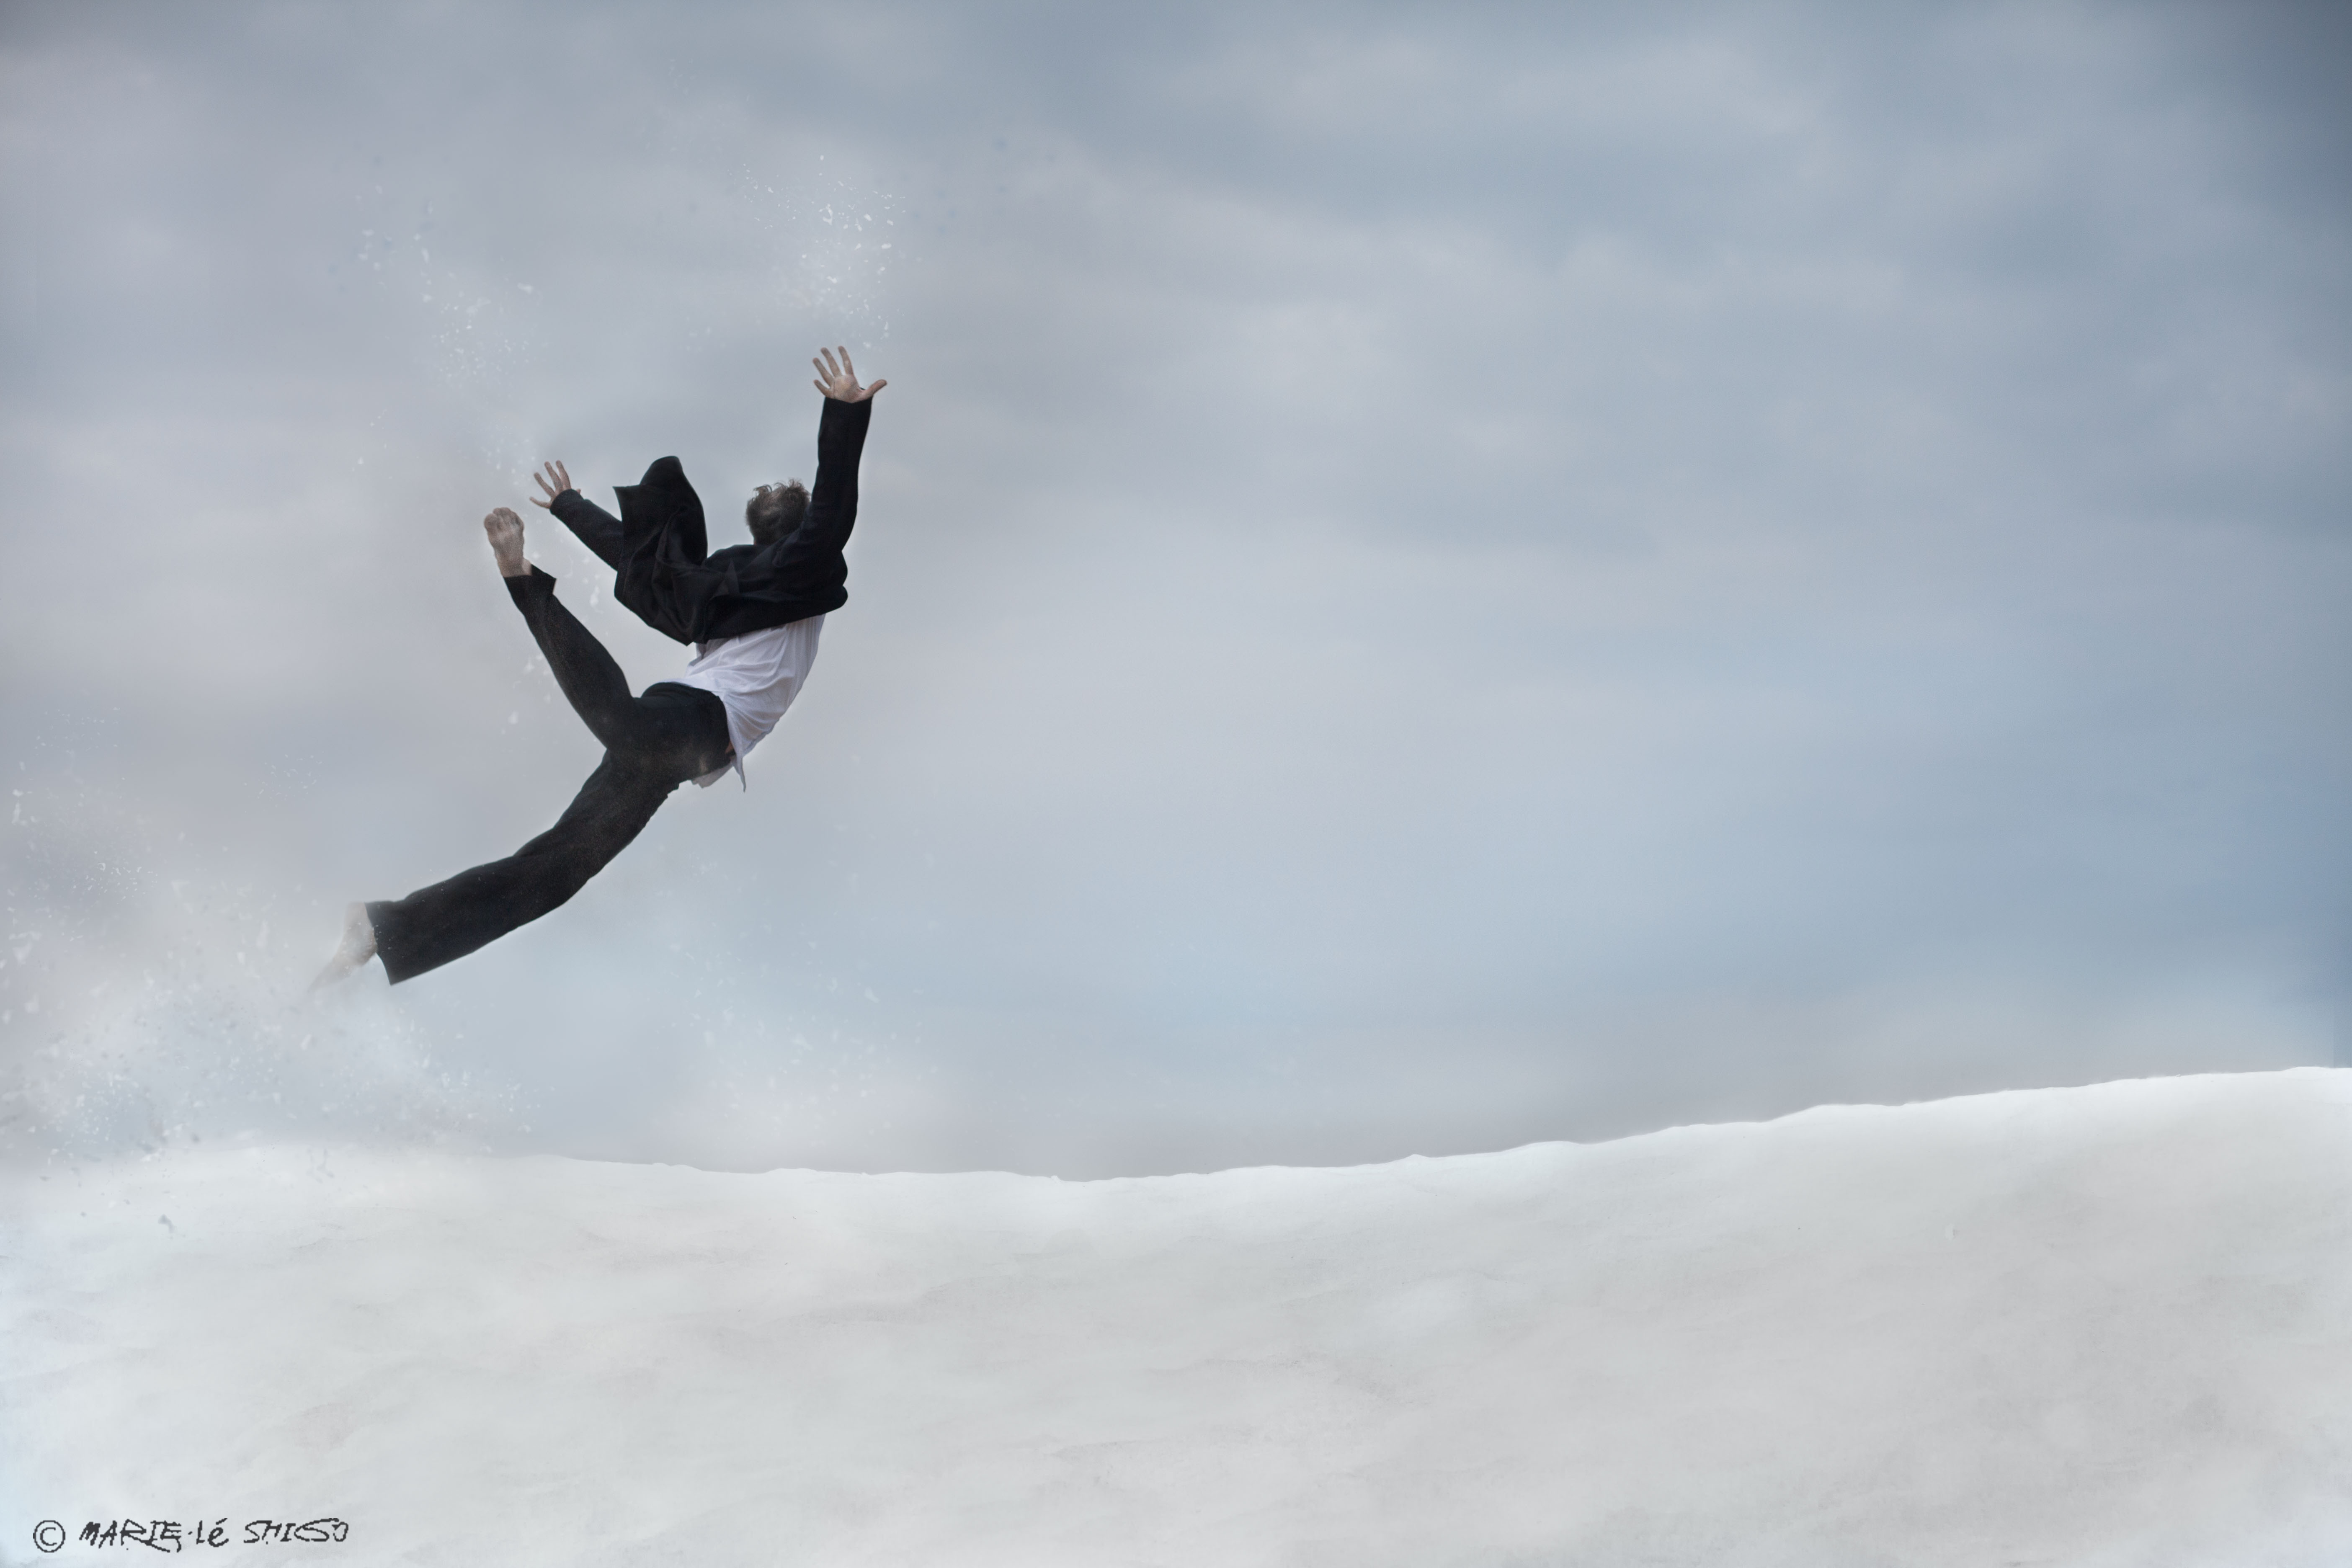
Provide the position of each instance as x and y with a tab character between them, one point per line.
1425	579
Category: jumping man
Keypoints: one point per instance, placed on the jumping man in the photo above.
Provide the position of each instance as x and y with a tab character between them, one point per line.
753	613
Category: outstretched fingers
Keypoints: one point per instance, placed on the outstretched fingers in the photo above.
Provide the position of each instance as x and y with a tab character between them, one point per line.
554	481
838	379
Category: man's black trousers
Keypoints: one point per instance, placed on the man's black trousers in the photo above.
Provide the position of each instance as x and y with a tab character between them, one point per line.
653	743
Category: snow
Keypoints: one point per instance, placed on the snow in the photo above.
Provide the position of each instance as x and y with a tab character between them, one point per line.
2105	1325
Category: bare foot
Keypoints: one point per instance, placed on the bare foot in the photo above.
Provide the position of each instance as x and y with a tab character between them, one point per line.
505	529
358	946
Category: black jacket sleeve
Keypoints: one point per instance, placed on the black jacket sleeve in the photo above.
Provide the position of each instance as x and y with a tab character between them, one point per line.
594	527
811	553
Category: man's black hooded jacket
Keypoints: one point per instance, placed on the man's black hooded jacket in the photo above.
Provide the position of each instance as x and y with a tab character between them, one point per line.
667	573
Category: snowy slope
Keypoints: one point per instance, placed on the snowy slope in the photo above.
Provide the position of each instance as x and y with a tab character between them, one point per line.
2088	1326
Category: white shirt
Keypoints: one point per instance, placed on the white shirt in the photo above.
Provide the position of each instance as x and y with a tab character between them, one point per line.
757	675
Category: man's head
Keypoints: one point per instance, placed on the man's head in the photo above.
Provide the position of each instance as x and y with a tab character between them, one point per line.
774	510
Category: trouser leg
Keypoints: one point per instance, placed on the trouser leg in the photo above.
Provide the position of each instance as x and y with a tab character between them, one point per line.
451	919
653	743
592	682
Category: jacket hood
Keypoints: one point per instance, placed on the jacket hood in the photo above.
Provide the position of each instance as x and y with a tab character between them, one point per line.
664	505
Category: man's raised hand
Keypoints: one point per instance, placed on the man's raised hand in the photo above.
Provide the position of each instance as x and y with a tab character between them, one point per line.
554	481
840	382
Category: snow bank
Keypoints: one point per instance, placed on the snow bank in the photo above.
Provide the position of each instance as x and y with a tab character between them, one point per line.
2085	1326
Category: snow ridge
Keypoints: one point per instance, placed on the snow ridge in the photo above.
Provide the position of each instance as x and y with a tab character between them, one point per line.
2083	1326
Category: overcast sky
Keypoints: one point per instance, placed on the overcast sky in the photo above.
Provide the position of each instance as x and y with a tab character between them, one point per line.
1428	577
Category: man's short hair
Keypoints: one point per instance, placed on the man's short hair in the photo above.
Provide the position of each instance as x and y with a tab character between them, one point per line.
774	510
